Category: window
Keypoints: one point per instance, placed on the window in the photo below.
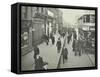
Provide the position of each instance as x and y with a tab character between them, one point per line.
37	9
24	39
92	18
24	12
84	19
88	18
42	10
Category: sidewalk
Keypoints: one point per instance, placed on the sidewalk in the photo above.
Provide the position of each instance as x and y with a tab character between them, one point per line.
47	52
77	61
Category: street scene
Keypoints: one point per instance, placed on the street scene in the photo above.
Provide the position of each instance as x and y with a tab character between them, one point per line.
55	38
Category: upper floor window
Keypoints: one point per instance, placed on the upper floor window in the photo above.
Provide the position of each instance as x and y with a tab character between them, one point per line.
92	18
37	9
24	12
88	18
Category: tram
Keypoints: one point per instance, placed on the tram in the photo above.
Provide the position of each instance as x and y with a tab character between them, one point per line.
87	32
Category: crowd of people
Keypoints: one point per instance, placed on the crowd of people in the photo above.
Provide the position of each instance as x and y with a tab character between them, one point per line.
39	63
76	45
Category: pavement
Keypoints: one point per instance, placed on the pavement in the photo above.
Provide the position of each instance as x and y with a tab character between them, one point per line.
50	55
47	52
85	60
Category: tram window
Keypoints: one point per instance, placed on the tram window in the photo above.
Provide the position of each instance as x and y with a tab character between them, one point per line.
37	9
92	19
88	18
24	12
42	9
84	19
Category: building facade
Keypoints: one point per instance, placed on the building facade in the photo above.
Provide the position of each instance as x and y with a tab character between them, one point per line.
26	24
36	22
54	20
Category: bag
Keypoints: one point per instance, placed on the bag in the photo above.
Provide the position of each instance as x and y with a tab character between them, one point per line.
45	65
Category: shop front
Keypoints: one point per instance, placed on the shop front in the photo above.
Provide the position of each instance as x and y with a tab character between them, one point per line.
50	22
38	26
25	36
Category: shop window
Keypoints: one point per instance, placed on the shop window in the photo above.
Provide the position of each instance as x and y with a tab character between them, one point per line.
24	39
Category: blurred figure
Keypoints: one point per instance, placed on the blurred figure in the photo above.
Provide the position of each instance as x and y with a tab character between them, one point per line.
53	40
63	34
74	38
46	39
39	64
64	54
78	48
69	37
58	45
36	51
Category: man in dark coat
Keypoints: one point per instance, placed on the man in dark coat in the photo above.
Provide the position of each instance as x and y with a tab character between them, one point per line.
53	40
74	38
80	43
36	51
69	37
64	54
58	45
39	63
47	39
76	48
